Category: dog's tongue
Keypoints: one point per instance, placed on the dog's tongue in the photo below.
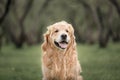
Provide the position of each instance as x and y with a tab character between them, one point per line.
63	45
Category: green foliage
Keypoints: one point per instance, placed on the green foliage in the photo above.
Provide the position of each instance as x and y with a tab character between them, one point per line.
25	63
30	18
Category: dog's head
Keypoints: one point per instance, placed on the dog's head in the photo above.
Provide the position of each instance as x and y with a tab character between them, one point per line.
60	35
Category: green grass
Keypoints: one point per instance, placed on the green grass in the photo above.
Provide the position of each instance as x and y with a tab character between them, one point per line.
100	64
20	64
25	63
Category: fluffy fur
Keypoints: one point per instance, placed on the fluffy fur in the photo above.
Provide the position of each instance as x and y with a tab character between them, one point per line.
57	63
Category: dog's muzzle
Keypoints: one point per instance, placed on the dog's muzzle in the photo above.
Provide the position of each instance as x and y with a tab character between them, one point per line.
63	43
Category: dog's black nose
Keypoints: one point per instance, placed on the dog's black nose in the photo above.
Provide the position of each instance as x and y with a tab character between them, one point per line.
63	36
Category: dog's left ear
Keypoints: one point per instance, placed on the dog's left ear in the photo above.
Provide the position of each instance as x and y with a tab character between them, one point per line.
72	31
73	42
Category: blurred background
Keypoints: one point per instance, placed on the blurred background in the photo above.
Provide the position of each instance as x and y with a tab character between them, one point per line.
97	31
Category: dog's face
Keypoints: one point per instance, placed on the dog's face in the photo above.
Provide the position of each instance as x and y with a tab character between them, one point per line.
60	34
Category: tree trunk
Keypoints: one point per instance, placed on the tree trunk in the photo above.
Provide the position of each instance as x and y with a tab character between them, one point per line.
116	37
20	41
1	35
115	3
6	11
89	22
7	8
97	15
71	16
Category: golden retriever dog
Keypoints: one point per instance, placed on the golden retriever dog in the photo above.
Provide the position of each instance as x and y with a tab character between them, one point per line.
59	58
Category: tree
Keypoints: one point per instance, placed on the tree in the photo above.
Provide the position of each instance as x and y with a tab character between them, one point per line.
22	37
6	11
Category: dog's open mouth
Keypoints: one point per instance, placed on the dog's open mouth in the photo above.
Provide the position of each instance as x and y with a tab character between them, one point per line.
62	44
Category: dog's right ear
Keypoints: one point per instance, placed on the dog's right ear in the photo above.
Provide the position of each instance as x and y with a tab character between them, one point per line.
45	43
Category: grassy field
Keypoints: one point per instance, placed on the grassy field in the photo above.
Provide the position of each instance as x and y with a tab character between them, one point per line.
24	64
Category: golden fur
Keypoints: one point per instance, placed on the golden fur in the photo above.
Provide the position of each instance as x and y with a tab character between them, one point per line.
59	64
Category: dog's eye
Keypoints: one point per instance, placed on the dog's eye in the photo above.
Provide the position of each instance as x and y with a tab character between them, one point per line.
67	31
56	31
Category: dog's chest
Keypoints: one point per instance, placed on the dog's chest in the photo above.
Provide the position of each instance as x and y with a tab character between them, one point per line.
63	63
60	65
